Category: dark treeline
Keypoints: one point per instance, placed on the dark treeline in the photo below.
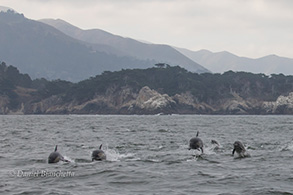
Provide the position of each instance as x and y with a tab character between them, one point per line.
206	87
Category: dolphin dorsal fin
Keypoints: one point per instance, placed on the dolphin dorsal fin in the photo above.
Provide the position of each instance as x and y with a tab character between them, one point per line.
100	146
197	134
55	148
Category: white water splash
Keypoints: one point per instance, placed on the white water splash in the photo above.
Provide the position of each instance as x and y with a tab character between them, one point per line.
67	158
113	155
288	146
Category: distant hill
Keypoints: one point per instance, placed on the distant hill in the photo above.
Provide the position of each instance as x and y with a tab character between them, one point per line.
6	9
224	61
43	51
114	44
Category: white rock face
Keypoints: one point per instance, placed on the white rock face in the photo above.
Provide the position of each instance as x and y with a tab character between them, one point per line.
151	100
285	100
185	98
282	101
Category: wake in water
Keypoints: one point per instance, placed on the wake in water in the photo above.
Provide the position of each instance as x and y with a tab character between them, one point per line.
209	151
159	153
288	146
214	150
146	155
111	156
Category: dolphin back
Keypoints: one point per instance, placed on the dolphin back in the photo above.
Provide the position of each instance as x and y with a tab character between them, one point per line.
98	155
55	157
196	143
239	149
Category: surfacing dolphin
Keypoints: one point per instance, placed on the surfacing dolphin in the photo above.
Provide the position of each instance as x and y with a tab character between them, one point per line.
196	143
55	157
240	150
215	142
98	154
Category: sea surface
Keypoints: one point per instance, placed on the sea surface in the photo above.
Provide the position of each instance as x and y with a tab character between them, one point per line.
146	155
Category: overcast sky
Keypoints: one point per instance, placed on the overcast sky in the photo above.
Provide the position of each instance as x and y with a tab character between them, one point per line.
250	28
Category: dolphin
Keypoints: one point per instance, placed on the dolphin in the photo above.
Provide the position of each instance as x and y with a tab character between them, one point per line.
196	143
98	154
215	142
240	150
55	157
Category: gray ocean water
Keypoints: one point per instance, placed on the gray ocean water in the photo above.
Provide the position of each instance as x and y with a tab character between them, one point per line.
146	155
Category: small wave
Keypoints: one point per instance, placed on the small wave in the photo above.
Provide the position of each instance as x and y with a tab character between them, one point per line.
193	159
133	159
152	160
288	147
269	191
68	159
82	160
196	152
251	148
113	155
158	148
40	160
211	149
126	156
163	130
206	174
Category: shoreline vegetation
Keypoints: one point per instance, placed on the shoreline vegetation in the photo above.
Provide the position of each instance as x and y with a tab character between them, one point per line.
162	89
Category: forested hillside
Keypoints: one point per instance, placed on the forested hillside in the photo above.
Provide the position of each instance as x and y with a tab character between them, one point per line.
205	87
119	92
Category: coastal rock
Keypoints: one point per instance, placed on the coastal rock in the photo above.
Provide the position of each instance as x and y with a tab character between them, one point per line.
185	98
128	100
188	104
235	107
283	105
4	101
51	105
150	100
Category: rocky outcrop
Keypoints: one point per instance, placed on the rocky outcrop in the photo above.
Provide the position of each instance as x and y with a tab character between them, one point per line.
126	100
283	105
4	101
237	105
151	101
49	105
188	104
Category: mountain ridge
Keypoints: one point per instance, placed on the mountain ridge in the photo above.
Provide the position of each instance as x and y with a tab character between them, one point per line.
6	9
128	46
220	62
43	51
217	62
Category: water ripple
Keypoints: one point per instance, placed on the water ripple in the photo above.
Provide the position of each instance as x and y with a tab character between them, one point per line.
145	155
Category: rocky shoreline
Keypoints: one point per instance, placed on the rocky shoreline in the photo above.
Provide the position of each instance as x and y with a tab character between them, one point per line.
147	101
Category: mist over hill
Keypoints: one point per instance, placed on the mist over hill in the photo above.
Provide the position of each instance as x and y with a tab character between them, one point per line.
221	62
55	49
122	46
43	51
